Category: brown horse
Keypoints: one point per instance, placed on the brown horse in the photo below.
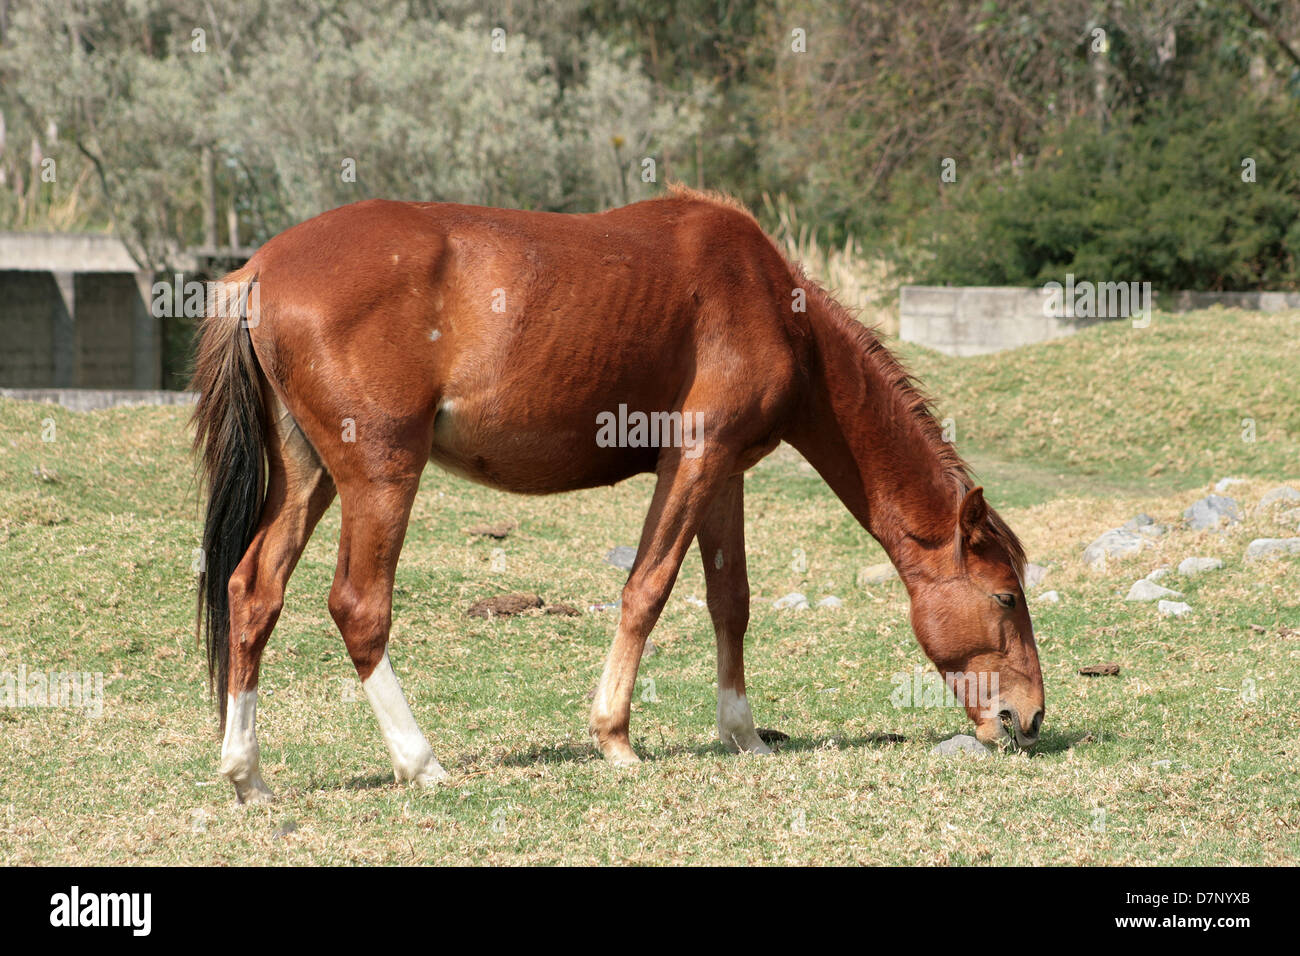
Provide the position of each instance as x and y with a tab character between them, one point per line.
504	345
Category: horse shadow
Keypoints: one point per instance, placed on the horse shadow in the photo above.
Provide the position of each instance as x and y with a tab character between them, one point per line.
1051	743
576	752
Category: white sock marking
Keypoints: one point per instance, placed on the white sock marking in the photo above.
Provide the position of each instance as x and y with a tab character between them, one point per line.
412	757
240	755
736	723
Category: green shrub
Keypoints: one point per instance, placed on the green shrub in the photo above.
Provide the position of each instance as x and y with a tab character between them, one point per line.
1160	199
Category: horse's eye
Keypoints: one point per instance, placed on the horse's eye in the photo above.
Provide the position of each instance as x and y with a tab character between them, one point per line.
1006	600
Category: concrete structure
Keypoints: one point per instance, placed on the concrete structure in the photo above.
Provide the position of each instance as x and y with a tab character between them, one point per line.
974	320
74	312
92	399
1258	301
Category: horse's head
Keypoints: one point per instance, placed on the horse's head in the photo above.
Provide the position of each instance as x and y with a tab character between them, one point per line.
969	614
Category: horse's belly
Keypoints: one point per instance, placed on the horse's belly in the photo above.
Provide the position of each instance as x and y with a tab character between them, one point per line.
534	458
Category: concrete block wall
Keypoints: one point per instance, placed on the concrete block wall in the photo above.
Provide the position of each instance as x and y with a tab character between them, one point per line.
975	320
27	307
78	329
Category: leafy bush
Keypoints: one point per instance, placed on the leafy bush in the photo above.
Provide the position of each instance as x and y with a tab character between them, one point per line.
1160	200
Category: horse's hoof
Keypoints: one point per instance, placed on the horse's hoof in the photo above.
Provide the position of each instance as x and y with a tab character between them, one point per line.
253	792
432	776
619	753
746	744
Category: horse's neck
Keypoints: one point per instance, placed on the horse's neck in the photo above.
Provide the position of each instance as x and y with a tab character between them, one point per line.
868	448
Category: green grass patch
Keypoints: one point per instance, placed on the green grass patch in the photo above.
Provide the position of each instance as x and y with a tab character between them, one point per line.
1189	756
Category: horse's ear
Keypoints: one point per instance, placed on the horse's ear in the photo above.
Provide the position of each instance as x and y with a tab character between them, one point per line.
972	516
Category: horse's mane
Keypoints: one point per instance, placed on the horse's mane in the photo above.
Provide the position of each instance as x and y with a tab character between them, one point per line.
913	404
678	190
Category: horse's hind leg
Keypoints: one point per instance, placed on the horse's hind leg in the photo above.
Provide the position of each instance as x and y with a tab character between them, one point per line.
722	547
375	514
298	492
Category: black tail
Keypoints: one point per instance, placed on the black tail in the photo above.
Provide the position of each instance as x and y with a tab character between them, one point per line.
230	441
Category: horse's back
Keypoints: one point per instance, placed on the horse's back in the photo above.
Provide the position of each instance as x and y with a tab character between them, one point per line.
515	331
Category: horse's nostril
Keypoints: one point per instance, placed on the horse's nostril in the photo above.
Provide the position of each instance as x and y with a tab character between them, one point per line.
1034	724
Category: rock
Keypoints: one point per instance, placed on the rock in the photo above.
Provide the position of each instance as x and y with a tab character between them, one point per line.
876	574
1158	573
504	605
962	743
284	829
1223	484
1190	567
830	601
793	600
1173	608
1116	543
1211	512
649	650
1290	516
1143	524
621	557
1271	548
693	601
1050	597
1280	495
1034	575
1109	669
1145	590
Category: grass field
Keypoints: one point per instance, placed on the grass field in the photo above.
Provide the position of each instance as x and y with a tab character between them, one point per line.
1188	756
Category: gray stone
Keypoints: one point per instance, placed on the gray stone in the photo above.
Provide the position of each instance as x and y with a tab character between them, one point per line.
1158	573
1138	521
1152	530
1034	575
1116	543
1050	597
1189	567
1280	495
1211	512
1223	484
284	829
830	601
1145	590
621	557
1173	608
1271	548
962	743
794	600
876	574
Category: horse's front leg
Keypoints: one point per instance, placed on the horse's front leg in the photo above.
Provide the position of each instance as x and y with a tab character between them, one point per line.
722	548
683	491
